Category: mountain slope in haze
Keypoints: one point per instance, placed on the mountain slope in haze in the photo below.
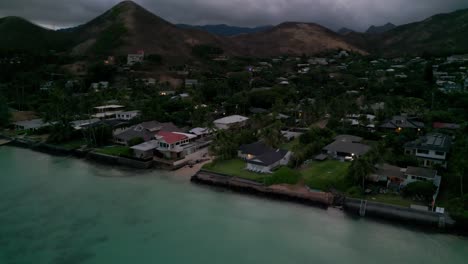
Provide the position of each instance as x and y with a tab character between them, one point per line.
128	28
20	34
441	34
380	29
294	39
225	30
344	31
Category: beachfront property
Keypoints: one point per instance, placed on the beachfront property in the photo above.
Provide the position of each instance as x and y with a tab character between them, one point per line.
174	145
108	111
395	176
231	122
31	125
431	149
346	147
145	131
261	158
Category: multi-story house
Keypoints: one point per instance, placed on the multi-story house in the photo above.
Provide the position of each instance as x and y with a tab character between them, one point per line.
430	149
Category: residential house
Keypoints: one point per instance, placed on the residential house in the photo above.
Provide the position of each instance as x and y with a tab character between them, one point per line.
269	161
250	151
128	115
31	125
398	123
99	85
108	111
346	147
133	59
231	122
145	130
174	145
361	120
191	83
262	158
80	124
145	150
116	125
400	177
202	132
430	149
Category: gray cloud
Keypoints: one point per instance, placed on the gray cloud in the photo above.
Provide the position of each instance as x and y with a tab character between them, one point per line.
356	14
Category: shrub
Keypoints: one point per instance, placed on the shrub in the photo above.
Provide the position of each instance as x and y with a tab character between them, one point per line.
135	141
284	175
422	188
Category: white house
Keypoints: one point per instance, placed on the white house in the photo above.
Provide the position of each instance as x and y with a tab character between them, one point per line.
269	161
229	122
128	115
430	149
108	111
133	59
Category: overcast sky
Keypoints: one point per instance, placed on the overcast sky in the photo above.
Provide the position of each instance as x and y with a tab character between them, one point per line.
354	14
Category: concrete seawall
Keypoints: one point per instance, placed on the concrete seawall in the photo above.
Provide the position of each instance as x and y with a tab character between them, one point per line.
320	199
397	213
114	160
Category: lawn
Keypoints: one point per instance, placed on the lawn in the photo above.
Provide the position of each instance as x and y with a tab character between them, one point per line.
115	151
326	174
233	167
393	199
75	144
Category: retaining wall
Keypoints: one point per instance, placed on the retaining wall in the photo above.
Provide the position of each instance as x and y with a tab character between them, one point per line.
251	187
401	214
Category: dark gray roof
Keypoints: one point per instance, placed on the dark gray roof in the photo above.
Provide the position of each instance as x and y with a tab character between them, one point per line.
114	123
387	170
155	126
132	133
434	141
269	158
147	130
422	172
348	147
321	157
348	138
256	149
403	122
255	110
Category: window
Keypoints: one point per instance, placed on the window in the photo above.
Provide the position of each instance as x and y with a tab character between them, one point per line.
422	151
440	153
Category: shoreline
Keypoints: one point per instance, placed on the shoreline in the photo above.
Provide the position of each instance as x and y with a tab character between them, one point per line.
323	200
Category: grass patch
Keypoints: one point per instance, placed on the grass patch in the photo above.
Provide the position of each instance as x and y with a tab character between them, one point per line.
116	151
327	174
234	167
393	199
75	144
